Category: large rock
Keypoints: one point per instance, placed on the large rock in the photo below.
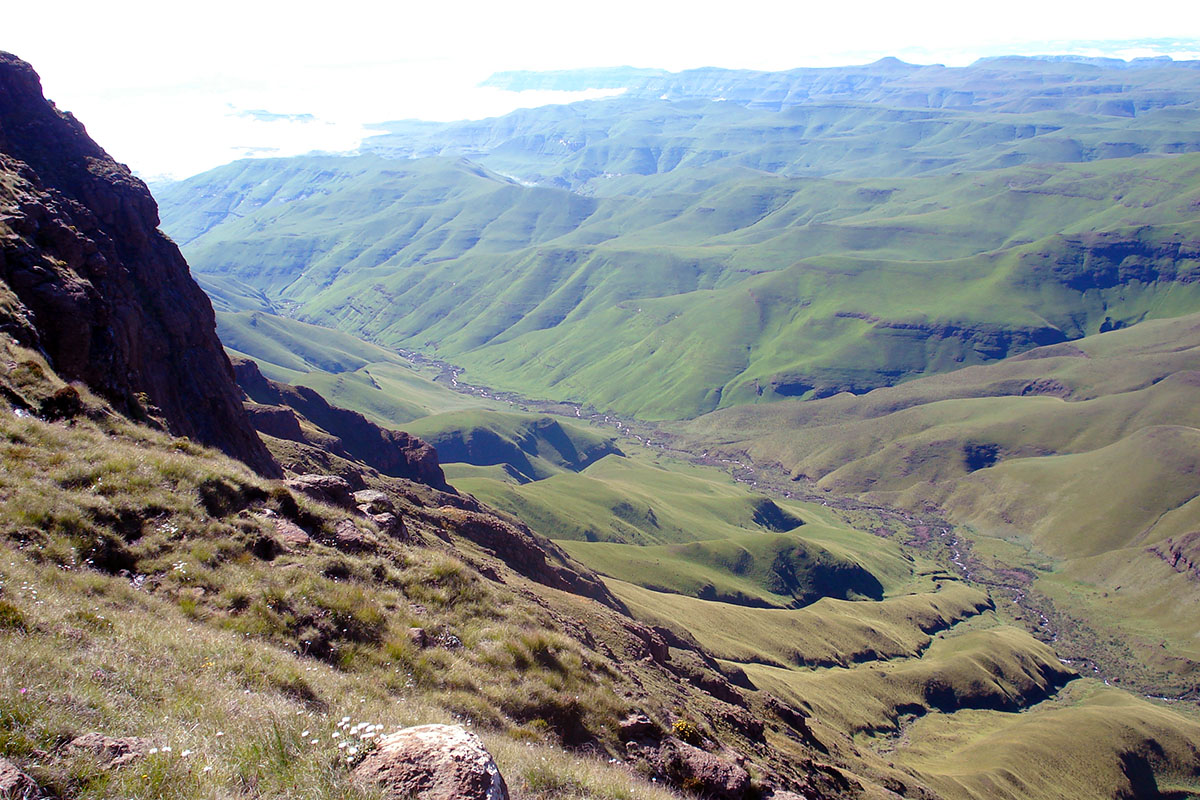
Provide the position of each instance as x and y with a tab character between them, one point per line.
691	768
434	762
114	751
329	489
14	784
88	279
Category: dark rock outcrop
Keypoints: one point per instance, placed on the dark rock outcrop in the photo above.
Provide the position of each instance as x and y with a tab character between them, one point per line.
688	767
325	488
1182	553
87	278
279	409
433	762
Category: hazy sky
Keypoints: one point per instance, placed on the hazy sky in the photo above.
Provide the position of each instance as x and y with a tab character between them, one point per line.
174	88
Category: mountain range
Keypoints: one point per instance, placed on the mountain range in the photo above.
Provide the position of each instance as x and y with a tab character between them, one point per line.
820	434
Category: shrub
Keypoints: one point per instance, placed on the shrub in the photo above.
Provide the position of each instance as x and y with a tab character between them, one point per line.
11	618
686	730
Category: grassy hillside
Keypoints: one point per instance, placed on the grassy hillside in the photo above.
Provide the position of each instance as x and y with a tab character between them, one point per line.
695	290
152	587
1083	452
376	382
533	446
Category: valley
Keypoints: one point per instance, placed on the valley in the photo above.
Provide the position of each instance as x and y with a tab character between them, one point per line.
755	436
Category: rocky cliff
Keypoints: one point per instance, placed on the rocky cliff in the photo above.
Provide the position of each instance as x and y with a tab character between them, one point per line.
87	278
279	410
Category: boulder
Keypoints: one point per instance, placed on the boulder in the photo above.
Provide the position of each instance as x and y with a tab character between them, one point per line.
418	637
433	762
323	488
14	784
291	533
390	525
349	538
115	752
638	726
706	773
373	501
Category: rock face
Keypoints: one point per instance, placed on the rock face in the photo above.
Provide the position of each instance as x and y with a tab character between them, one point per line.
278	408
87	278
434	762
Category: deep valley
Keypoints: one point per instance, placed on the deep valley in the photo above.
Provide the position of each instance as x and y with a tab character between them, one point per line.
828	433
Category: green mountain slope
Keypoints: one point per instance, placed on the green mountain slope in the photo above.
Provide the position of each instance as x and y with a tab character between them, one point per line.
1084	452
674	304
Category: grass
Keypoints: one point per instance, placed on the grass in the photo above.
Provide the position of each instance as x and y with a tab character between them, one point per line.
1041	753
828	632
1001	669
346	371
135	599
1083	471
686	293
531	446
229	715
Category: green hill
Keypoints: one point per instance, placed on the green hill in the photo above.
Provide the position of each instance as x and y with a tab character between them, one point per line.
682	293
1084	452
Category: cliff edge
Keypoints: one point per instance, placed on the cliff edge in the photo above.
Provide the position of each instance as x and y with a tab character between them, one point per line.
87	279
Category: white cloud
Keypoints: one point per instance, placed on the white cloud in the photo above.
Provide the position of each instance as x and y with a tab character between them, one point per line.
154	81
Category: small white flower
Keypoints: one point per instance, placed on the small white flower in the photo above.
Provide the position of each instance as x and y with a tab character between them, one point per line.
167	749
185	754
336	734
208	768
314	741
304	735
220	734
153	750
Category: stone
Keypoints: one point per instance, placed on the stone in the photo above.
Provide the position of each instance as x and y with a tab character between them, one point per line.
349	538
115	752
638	726
390	525
706	773
433	762
329	489
16	785
373	501
418	637
291	534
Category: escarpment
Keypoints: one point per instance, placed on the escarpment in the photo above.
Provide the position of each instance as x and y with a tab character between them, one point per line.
276	409
90	281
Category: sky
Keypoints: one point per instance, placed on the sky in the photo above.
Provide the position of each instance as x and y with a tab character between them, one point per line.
175	88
